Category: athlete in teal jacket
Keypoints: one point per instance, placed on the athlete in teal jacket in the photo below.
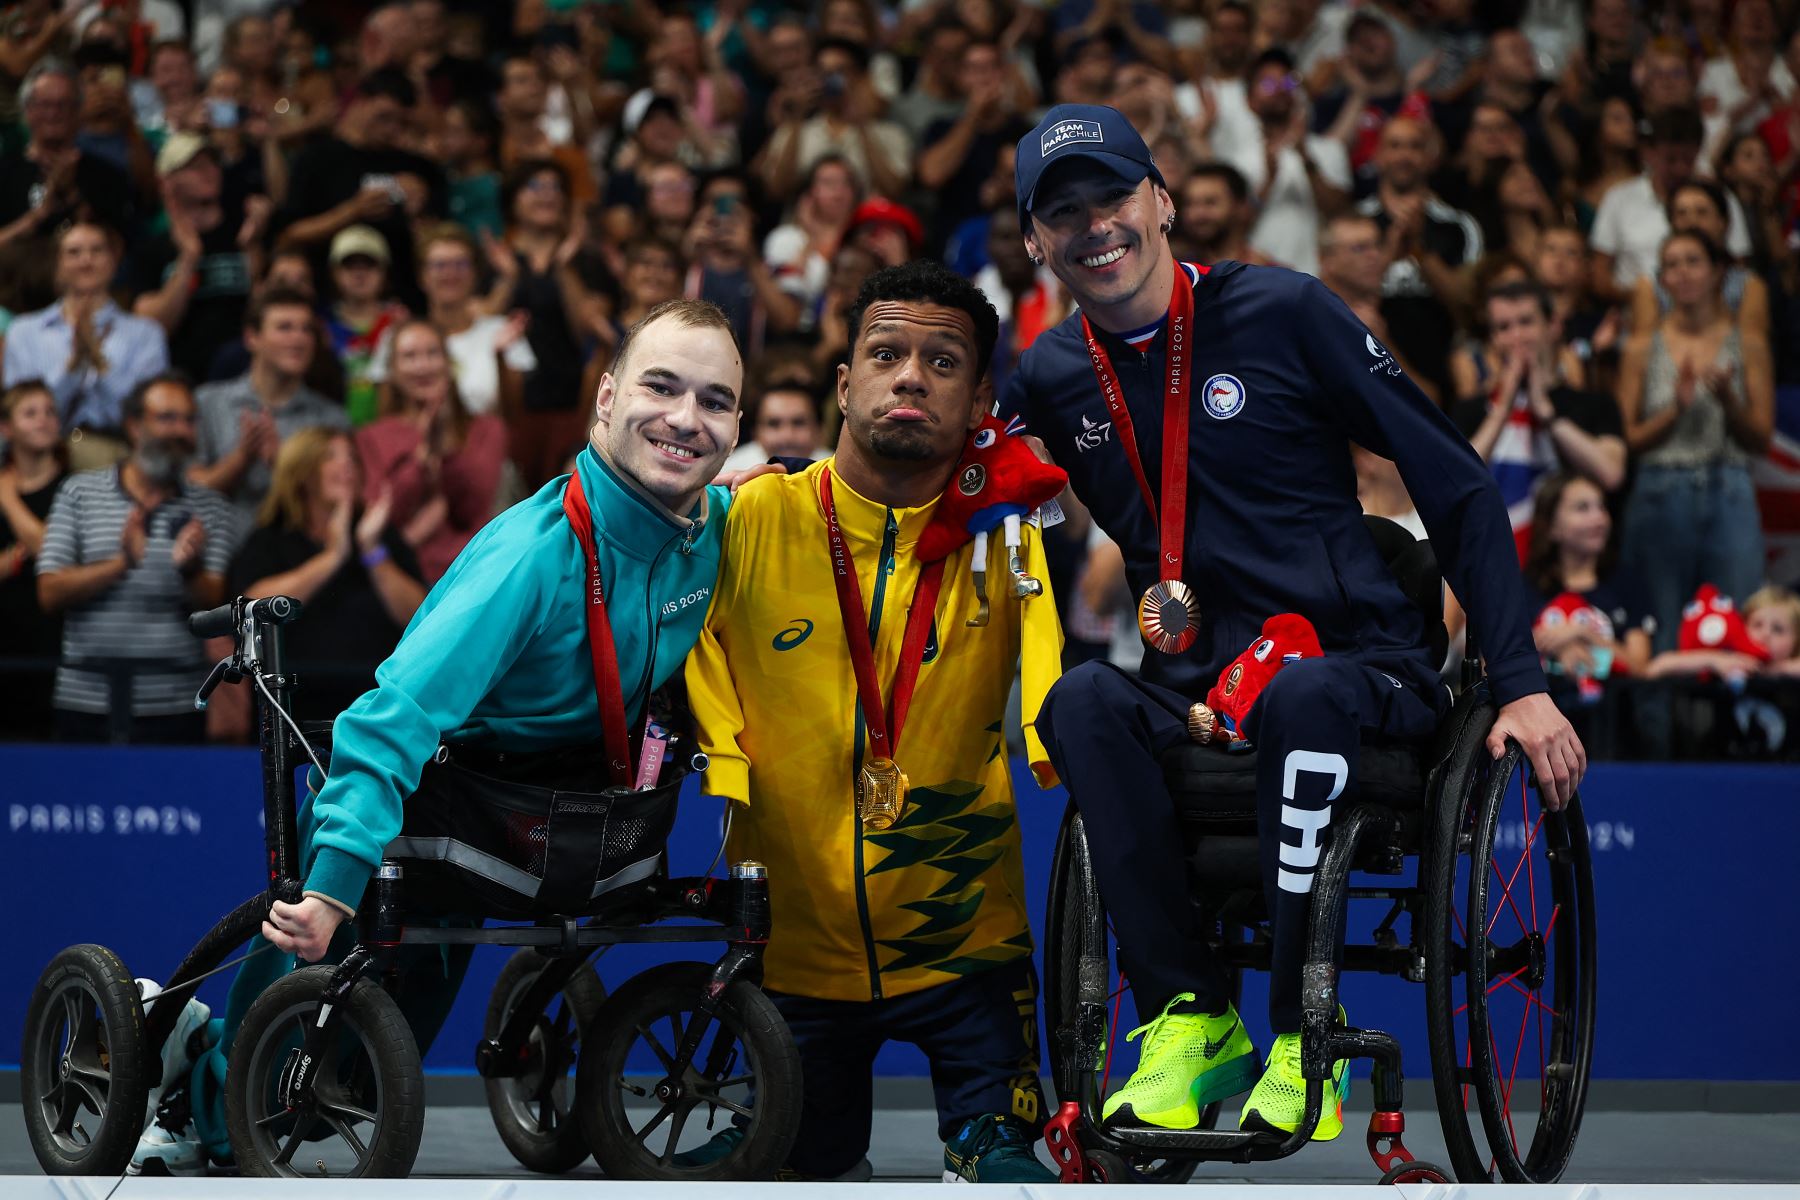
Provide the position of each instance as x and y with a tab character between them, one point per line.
497	655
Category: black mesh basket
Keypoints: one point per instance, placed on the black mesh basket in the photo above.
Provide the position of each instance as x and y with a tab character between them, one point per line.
473	844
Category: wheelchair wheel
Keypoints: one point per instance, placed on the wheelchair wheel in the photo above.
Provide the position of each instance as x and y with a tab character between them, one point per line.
534	1112
1510	975
84	1070
367	1109
1076	917
638	1093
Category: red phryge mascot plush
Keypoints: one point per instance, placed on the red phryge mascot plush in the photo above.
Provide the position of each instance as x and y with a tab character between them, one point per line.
1712	622
998	481
1286	638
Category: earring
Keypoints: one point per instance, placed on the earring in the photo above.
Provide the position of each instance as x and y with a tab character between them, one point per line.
1168	226
1036	261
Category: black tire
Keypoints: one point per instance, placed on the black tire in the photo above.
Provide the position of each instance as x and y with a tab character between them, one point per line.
1414	1172
1524	947
534	1113
651	1008
84	1053
1103	1166
376	1080
1076	917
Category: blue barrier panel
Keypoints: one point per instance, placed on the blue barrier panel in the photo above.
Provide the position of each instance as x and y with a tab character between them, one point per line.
139	849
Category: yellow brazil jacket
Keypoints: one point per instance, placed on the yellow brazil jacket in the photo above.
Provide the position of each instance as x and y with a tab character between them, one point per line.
860	915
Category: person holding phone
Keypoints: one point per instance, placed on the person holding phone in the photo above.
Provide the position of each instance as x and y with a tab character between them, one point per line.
728	270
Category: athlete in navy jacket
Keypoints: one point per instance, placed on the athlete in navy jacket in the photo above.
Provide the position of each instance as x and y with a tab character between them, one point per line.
1281	378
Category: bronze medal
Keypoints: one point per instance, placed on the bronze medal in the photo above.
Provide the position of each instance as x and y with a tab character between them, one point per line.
1169	616
880	793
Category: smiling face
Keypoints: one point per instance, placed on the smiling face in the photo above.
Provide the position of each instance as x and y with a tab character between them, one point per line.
1688	273
1582	524
421	366
787	423
85	261
911	392
285	342
447	272
668	411
1101	236
31	424
338	479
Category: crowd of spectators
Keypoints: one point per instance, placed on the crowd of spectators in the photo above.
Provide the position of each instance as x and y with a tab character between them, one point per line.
297	296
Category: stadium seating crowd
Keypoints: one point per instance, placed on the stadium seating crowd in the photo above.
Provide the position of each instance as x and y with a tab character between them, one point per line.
341	284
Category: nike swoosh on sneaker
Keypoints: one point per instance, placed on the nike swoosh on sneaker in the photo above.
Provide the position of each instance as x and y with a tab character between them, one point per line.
1210	1050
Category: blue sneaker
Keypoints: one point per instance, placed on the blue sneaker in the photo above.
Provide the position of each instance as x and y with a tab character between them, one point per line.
994	1149
727	1140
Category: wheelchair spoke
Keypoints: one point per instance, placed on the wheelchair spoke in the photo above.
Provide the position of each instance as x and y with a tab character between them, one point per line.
342	1128
650	1128
346	1111
663	1056
734	1081
1494	987
302	1127
1112	1033
731	1106
675	1128
1518	1050
283	1115
1506	896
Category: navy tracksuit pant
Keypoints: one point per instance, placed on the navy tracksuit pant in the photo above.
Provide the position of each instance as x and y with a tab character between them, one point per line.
979	1033
1106	730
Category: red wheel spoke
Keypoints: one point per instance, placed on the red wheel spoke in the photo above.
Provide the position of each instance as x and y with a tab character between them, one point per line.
1496	986
1468	1068
1533	997
1531	832
1506	895
1518	1052
1505	1092
1551	927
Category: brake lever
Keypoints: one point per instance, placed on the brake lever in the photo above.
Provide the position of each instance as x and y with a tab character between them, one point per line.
224	671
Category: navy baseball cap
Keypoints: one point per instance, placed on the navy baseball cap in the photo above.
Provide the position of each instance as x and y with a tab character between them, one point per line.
1072	131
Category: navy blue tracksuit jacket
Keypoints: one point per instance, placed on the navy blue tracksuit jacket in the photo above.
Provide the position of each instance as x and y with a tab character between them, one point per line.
1273	524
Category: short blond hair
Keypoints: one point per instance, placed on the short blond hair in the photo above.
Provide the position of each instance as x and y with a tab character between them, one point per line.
1774	596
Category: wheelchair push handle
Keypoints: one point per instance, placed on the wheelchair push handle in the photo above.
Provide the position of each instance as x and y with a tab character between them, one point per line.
223	620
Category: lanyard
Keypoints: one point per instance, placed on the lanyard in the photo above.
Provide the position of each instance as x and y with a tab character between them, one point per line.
884	729
1172	525
607	688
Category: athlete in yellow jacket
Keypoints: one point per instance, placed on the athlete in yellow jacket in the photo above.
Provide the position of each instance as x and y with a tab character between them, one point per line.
916	932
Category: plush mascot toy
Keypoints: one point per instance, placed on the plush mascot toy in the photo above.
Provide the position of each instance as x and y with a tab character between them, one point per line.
1712	622
1286	638
998	482
1570	608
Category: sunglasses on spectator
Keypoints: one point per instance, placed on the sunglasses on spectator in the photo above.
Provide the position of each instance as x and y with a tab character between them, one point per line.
1269	87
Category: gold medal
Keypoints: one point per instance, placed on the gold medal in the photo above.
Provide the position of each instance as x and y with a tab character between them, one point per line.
880	793
1169	616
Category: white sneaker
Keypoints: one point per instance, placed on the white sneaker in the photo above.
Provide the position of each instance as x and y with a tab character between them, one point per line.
172	1153
160	1152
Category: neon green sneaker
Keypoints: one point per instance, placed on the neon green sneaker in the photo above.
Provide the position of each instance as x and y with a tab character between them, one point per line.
1278	1101
1188	1061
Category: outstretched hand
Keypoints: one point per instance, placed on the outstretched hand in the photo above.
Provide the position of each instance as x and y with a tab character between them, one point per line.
1548	740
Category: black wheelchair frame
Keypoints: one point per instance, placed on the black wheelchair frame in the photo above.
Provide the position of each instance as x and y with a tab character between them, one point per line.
733	910
1465	793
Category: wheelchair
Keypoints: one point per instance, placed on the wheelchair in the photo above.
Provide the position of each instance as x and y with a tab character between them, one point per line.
1497	893
325	1077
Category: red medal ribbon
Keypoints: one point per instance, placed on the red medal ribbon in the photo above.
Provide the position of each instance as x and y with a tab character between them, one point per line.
884	723
608	691
1173	522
